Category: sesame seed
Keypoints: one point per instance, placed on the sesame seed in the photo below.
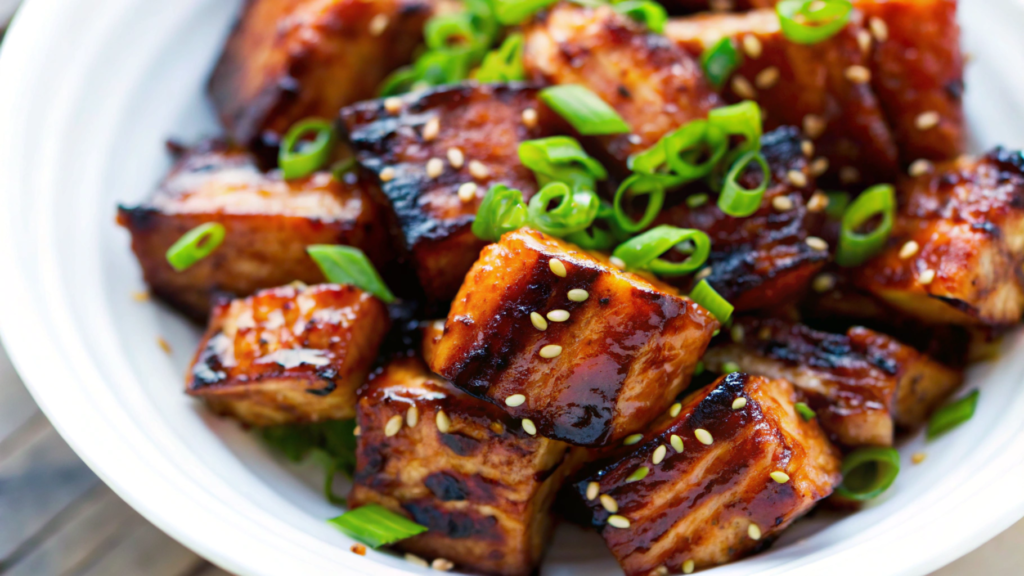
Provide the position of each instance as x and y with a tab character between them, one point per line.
688	567
703	436
393	105
478	170
557	267
659	454
412	416
849	174
164	345
676	442
443	422
767	78
920	167
530	118
578	295
632	439
638	474
529	427
617	521
558	315
393	426
754	532
467	192
703	273
918	457
592	490
782	203
816	243
697	200
515	400
387	174
538	321
864	41
497	427
442	565
818	202
377	24
819	166
609	503
659	571
675	409
927	120
414	559
550	351
431	129
730	367
909	249
857	74
752	46
879	29
140	296
739	403
807	147
358	549
823	283
737	334
617	262
797	178
926	277
814	126
456	158
743	88
357	431
780	476
435	167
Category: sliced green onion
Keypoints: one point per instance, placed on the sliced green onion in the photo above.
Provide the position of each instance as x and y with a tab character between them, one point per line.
743	119
867	472
805	411
655	200
349	265
837	204
646	12
332	444
644	251
720	60
196	244
586	111
561	159
511	12
952	415
594	239
575	210
376	526
712	301
697	200
501	210
298	157
736	200
856	248
505	64
686	145
812	21
638	474
449	30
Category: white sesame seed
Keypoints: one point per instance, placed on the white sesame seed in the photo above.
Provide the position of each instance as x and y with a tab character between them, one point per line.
467	191
387	174
816	243
688	567
703	436
703	273
814	126
767	78
823	283
864	41
617	262
558	315
676	442
456	158
739	403
918	457
377	24
920	168
782	203
697	200
780	476
857	74
530	118
617	521
557	267
412	416
478	170
393	104
632	439
435	167
529	427
675	409
819	166
797	178
879	29
393	426
357	431
849	175
609	503
538	321
659	454
743	88
927	120
752	46
442	565
754	532
807	147
431	129
550	351
578	295
909	249
818	202
515	400
497	427
926	277
659	571
414	559
737	333
443	422
593	489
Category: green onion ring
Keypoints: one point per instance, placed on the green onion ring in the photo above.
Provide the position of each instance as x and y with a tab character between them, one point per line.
736	200
868	472
802	24
656	198
561	159
349	265
584	110
645	11
687	142
501	210
298	159
196	244
712	301
505	64
644	252
743	119
952	415
720	60
575	211
856	248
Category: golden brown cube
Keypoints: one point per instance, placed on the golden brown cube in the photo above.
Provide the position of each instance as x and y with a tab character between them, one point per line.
289	355
602	367
862	384
269	223
459	466
699	487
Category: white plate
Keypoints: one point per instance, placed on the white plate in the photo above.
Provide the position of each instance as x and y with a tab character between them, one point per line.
89	90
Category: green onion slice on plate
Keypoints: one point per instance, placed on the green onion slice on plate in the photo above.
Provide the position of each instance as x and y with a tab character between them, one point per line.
349	265
196	244
586	111
575	210
812	21
736	200
644	252
376	526
856	248
501	210
712	301
743	119
720	60
868	472
805	411
561	159
298	156
645	11
952	415
638	185
504	64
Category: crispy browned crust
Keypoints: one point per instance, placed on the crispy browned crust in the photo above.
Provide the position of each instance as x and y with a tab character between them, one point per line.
484	122
699	504
811	81
862	383
291	59
763	260
627	350
269	223
484	488
289	355
652	84
691	6
967	217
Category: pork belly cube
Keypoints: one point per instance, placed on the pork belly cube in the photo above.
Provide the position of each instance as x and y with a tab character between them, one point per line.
287	60
269	224
957	245
293	354
819	87
917	70
862	384
765	260
612	354
470	135
652	84
459	466
690	6
704	486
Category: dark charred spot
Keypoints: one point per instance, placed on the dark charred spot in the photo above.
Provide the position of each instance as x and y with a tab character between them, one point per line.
460	444
446	487
456	525
955	89
624	92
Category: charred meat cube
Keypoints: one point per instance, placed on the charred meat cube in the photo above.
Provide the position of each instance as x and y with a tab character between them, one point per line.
269	223
459	466
289	355
436	157
957	245
291	59
862	384
764	260
585	352
652	84
690	6
713	484
823	88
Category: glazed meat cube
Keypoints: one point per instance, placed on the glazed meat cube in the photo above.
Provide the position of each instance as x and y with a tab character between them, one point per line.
689	6
704	487
957	245
823	88
459	466
764	260
653	85
287	60
289	355
862	383
611	355
269	223
470	136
